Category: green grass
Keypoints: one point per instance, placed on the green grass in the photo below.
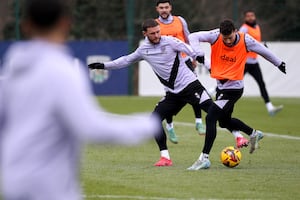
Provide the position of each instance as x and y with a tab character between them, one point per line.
272	172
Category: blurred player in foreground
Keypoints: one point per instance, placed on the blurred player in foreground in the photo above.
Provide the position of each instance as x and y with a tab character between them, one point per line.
229	50
251	27
181	84
176	26
47	111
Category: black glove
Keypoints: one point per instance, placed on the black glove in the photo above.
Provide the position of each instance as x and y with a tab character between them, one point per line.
200	59
281	67
96	66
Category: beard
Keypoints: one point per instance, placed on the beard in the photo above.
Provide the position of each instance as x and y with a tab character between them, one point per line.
154	41
165	15
252	24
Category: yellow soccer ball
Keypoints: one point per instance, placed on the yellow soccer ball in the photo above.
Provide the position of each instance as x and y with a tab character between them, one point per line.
231	156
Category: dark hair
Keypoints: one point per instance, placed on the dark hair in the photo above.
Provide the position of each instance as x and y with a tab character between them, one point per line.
163	1
149	23
247	11
45	13
227	27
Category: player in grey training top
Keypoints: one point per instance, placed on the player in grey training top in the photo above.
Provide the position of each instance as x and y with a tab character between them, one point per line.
176	26
181	84
47	111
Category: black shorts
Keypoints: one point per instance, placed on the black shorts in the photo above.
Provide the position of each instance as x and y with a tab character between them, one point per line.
172	103
226	98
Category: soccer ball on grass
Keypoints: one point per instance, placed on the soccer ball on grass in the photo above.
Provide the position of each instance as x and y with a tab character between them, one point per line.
231	156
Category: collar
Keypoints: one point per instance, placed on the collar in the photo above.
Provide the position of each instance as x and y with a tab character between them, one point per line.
169	20
147	41
237	39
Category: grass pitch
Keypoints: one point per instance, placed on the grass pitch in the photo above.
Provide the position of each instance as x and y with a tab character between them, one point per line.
272	172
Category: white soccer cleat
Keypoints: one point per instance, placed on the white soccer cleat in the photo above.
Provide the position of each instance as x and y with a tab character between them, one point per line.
254	140
275	110
200	164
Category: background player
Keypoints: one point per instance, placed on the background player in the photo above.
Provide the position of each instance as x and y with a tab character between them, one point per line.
252	67
229	50
176	26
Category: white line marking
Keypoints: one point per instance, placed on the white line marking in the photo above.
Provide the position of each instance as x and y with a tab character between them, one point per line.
98	196
266	134
127	197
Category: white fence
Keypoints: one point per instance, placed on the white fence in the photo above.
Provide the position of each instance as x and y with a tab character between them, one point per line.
278	84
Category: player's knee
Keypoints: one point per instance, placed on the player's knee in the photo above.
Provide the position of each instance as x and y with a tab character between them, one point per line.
158	114
213	113
210	118
223	124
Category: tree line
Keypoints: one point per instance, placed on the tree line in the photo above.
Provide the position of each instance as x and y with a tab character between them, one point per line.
107	19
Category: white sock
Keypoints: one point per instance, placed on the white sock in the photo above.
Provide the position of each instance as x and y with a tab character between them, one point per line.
169	126
198	120
203	156
269	106
253	134
237	134
165	154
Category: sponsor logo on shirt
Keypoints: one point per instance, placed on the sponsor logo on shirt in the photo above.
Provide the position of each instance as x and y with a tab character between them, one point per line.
228	59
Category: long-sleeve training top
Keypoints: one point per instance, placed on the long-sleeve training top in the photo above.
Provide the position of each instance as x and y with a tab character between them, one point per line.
251	45
250	60
46	110
165	61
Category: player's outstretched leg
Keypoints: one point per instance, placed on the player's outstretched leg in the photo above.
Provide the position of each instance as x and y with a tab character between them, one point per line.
255	135
225	122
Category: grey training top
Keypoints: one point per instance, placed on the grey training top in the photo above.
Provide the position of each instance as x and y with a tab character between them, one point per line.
46	111
175	76
250	60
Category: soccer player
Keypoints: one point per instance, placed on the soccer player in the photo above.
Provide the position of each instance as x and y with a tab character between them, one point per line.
181	84
229	51
251	27
176	26
47	111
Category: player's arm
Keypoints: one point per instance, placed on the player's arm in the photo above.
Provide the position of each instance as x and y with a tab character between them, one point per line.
121	62
243	29
185	29
202	36
78	111
257	47
180	46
